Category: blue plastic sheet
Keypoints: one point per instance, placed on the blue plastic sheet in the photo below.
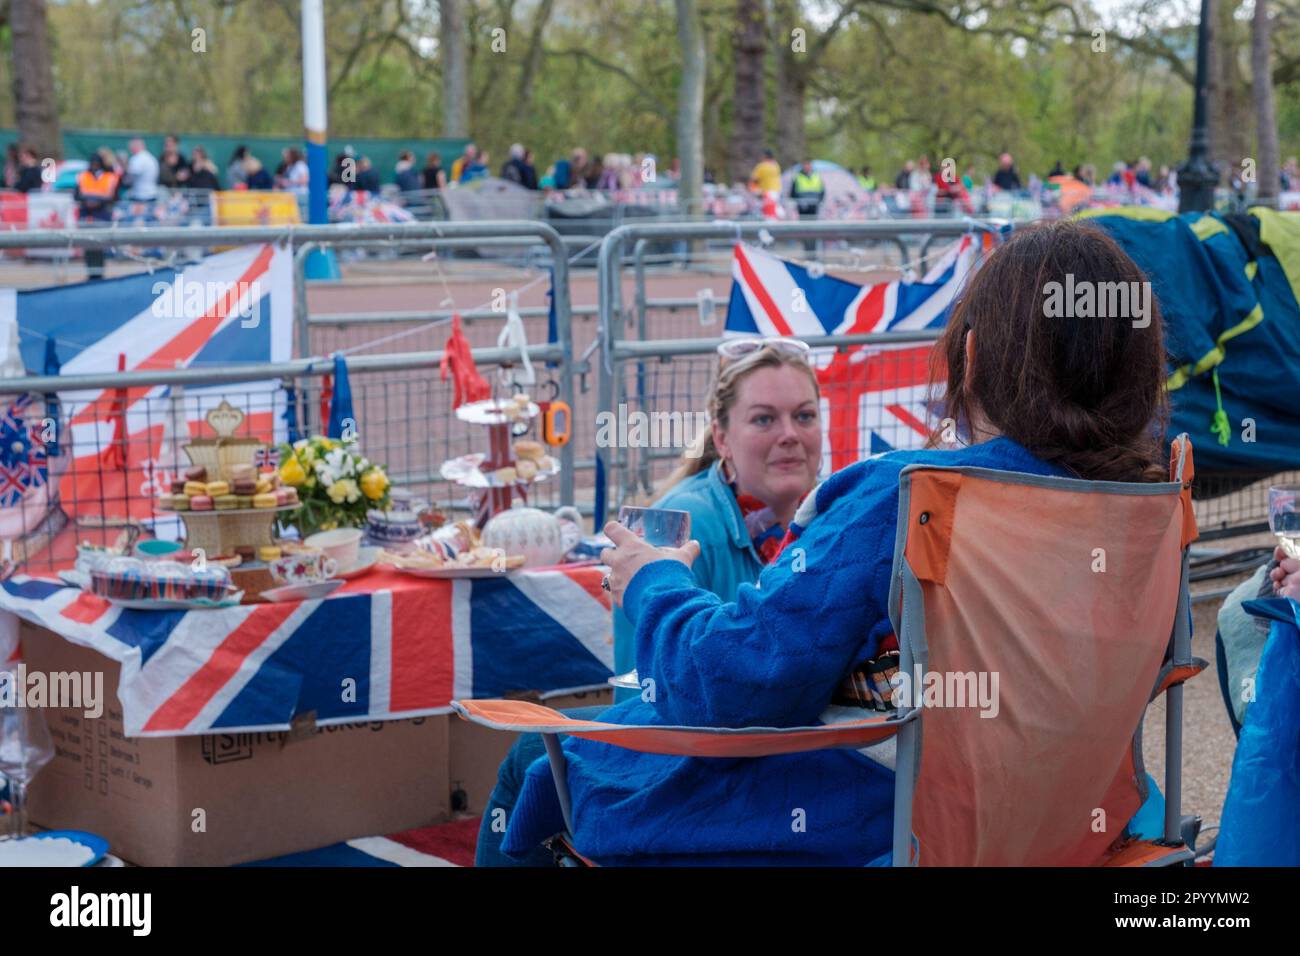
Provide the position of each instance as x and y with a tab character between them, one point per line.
1261	815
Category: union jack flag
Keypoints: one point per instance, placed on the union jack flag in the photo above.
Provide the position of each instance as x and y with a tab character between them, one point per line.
23	463
268	456
874	398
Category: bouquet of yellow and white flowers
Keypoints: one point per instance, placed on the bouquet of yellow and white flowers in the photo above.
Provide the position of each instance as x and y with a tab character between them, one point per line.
336	484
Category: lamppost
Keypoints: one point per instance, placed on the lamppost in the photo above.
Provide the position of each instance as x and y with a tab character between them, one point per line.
1197	177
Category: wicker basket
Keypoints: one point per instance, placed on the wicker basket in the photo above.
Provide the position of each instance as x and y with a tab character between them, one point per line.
217	455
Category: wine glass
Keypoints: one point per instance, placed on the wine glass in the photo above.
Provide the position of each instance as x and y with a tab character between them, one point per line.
25	747
663	528
1284	519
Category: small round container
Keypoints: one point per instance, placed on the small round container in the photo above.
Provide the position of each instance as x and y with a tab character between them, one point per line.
153	549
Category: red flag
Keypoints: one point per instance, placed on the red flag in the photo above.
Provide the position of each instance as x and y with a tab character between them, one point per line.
469	385
326	399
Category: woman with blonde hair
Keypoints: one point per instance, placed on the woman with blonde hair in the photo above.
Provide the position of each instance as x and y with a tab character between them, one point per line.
741	481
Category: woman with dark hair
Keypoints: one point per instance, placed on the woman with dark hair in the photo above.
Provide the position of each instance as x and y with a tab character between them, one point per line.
1026	391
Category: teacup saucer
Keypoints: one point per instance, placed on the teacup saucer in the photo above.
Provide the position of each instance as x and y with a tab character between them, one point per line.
366	559
303	592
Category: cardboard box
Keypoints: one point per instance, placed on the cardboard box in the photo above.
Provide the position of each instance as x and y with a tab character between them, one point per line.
477	751
219	799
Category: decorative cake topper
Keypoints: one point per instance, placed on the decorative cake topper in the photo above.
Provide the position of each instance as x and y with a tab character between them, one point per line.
225	419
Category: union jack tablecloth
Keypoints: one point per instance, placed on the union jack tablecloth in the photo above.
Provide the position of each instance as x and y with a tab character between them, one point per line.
384	646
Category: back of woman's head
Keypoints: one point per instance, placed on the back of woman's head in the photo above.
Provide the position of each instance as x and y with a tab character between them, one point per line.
1069	357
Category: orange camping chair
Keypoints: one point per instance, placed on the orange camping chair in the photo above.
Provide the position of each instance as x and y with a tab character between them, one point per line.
1069	600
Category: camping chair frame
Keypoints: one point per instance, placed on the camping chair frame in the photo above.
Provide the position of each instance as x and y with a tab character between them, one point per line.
907	611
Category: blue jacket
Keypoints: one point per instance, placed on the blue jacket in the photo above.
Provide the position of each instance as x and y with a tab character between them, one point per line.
772	658
727	557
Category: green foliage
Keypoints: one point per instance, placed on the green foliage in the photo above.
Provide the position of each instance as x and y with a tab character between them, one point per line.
897	79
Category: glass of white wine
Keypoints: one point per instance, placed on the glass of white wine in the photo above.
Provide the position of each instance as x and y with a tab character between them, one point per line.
1284	519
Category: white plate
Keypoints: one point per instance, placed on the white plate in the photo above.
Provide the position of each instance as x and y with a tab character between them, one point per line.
451	573
465	471
366	559
75	578
488	412
303	592
194	604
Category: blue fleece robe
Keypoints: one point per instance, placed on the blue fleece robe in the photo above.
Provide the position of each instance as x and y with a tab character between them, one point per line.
772	658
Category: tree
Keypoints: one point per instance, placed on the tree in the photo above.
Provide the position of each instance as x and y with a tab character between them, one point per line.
1265	116
36	111
690	105
749	46
454	54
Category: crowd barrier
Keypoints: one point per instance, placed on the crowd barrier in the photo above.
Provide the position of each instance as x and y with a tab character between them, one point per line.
403	412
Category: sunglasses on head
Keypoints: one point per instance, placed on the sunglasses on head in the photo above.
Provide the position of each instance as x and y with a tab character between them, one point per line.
740	347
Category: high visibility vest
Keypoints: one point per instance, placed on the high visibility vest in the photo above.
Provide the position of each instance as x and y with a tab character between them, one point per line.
807	184
867	182
103	186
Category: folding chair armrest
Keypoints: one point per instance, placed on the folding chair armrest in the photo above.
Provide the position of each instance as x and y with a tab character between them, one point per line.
525	717
1175	673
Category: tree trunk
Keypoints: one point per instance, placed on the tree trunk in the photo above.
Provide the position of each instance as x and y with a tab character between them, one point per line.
35	108
1229	136
1265	117
749	45
532	63
454	53
690	106
791	84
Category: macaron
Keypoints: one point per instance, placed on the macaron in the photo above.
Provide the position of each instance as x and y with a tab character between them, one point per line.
197	473
268	552
200	502
218	488
243	473
225	502
262	486
195	488
266	500
244	501
178	486
244	486
180	503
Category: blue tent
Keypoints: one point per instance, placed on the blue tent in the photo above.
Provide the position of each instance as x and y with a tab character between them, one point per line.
1226	290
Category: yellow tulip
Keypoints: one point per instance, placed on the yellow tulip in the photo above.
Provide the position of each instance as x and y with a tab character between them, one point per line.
291	472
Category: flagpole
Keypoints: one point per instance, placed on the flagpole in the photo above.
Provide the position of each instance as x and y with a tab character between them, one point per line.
320	264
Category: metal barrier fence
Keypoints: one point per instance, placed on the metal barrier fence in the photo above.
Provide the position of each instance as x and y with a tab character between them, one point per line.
403	412
664	382
108	477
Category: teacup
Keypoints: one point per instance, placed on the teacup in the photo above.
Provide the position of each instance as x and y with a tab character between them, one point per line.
341	544
303	567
